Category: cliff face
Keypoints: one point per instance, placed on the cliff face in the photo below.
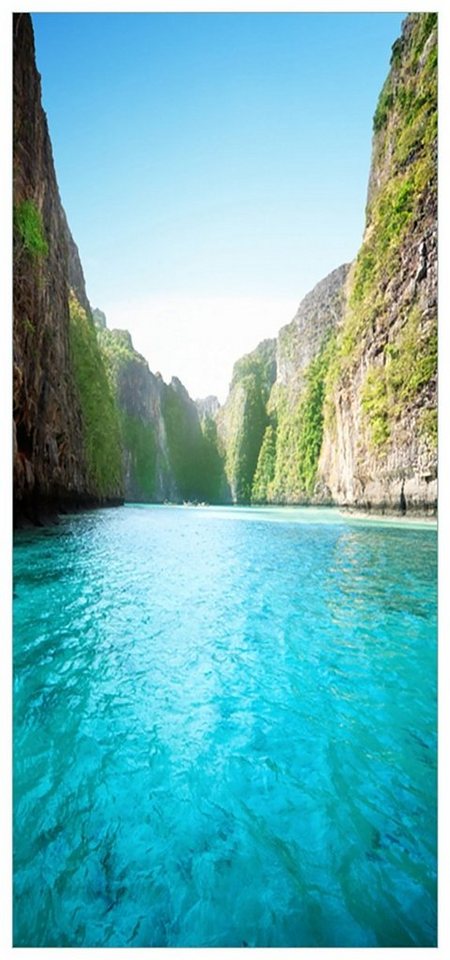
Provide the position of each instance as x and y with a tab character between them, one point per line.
242	420
55	455
207	407
194	457
299	343
91	421
168	454
287	464
139	399
271	424
381	417
351	417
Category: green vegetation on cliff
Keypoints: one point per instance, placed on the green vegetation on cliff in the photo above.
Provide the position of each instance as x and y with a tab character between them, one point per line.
247	418
193	454
138	440
29	228
213	462
100	420
137	434
116	348
404	156
265	467
408	366
311	418
289	455
378	260
428	426
375	372
167	451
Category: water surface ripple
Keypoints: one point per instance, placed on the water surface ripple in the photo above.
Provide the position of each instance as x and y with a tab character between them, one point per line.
225	730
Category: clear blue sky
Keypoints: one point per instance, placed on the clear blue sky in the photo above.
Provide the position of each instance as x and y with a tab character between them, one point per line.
211	160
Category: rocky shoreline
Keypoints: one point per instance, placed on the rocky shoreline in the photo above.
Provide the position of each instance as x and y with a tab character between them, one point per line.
44	513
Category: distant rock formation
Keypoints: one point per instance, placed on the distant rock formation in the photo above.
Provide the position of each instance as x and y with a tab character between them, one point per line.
207	407
242	420
99	318
168	454
300	341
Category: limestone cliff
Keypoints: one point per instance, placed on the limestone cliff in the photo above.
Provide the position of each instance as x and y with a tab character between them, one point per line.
348	414
91	421
168	453
300	341
194	457
139	397
242	420
207	406
380	437
271	423
62	456
286	470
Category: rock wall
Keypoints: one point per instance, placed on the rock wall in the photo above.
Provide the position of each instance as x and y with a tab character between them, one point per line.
139	399
52	466
242	421
287	466
380	438
91	421
350	413
269	427
195	461
299	343
207	407
169	454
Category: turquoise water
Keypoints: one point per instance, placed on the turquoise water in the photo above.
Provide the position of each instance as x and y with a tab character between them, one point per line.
225	730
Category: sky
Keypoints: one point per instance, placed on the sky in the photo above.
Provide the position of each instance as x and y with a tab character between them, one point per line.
213	167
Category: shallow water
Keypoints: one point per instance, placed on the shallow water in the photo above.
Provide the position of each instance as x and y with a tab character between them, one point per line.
225	730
